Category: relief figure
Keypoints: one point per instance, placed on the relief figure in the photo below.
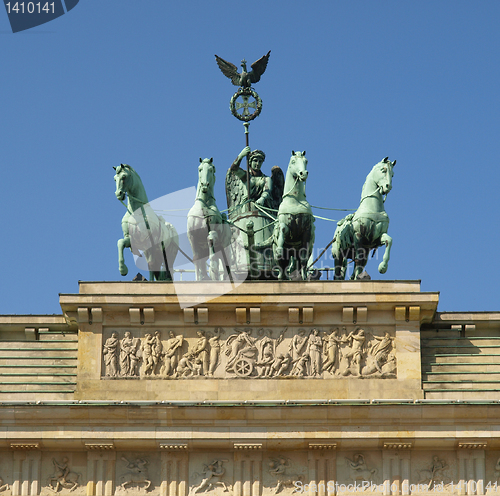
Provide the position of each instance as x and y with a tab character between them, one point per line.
62	478
110	351
358	470
278	468
314	350
129	361
173	348
215	345
297	345
212	474
331	350
147	353
355	353
280	365
241	351
199	354
136	475
156	352
434	474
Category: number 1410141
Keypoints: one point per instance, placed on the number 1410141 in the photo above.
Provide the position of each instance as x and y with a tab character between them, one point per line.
30	7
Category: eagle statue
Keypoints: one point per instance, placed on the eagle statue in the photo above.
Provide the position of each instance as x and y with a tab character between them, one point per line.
243	79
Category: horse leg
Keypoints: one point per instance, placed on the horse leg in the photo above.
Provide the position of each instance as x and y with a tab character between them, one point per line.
340	268
122	244
168	256
200	269
387	240
214	259
280	250
361	259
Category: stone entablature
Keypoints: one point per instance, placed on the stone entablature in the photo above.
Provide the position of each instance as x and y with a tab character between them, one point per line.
121	449
283	340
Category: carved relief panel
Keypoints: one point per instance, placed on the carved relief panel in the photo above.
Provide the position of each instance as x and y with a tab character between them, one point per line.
264	353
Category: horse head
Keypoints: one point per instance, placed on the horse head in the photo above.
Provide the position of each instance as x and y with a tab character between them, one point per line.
298	166
382	175
123	179
206	178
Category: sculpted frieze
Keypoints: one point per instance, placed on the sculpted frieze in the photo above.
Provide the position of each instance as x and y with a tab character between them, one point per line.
134	476
212	476
63	477
254	353
281	471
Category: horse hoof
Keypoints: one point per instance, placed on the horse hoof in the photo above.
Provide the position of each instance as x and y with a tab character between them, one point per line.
123	270
382	268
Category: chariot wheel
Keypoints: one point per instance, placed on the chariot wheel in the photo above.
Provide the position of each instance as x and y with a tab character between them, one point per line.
243	367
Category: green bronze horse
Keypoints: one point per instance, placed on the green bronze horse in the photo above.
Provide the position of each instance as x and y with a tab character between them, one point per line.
143	230
208	231
294	229
366	229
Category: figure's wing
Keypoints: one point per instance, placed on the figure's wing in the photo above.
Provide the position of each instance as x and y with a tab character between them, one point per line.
278	185
230	70
259	67
235	191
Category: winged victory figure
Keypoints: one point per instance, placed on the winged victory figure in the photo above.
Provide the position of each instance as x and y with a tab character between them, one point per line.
243	79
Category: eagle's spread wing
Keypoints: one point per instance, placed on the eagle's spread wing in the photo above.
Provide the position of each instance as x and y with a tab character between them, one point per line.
258	68
230	70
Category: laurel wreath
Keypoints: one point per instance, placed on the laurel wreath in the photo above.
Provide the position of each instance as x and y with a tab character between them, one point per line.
245	92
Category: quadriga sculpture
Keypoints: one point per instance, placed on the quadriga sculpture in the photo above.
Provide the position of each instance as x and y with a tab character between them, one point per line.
208	232
366	229
143	230
294	229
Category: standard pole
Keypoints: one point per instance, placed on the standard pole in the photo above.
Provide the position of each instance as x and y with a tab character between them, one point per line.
247	125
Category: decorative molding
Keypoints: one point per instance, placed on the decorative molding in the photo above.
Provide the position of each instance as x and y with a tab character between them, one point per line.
135	315
149	315
322	446
202	315
308	315
100	446
241	315
254	315
414	314
247	446
293	315
348	315
173	447
30	333
189	315
480	446
398	446
361	315
83	315
24	446
96	315
400	314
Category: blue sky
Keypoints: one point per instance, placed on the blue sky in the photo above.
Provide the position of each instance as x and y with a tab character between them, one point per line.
351	82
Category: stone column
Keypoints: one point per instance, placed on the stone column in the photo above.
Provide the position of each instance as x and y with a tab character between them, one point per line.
471	471
407	346
89	343
322	461
396	469
174	474
247	473
101	472
26	480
